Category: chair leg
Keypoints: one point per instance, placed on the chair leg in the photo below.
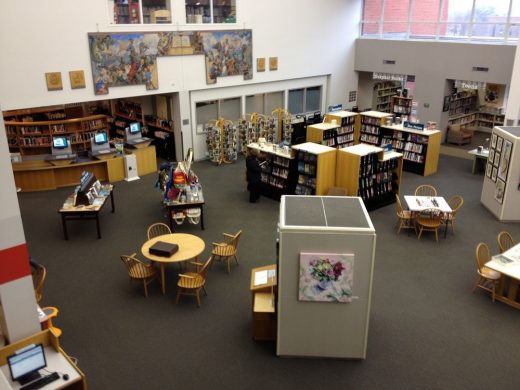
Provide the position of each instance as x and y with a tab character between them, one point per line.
198	297
420	232
437	235
205	292
228	267
178	296
145	288
236	258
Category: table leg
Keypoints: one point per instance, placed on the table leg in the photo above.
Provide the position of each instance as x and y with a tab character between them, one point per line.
445	228
64	223
474	168
112	201
202	217
163	282
170	218
513	289
97	226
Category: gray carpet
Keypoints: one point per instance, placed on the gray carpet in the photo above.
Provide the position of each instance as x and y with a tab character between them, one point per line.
427	330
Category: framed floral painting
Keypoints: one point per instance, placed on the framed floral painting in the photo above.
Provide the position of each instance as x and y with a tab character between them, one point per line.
326	277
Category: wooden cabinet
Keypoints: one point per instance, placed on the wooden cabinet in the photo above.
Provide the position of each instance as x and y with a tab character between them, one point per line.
401	105
316	167
420	148
279	171
370	122
367	171
35	137
347	132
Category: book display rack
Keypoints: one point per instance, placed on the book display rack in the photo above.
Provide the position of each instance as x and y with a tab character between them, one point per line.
370	173
255	126
382	95
316	168
420	149
371	121
346	134
221	140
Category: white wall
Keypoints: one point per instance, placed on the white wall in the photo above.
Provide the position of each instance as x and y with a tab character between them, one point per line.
309	38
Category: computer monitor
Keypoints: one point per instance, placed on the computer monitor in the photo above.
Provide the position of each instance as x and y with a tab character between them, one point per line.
25	363
101	138
60	142
135	128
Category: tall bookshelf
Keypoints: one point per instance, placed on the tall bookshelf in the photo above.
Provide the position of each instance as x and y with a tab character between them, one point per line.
463	109
401	105
383	93
31	138
278	173
316	167
367	171
370	123
347	133
420	149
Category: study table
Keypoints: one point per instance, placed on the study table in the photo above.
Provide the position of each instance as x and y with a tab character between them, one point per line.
479	159
57	361
416	204
508	264
190	247
81	212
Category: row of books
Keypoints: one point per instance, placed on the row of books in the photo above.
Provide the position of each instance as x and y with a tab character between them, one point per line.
303	190
307	181
370	129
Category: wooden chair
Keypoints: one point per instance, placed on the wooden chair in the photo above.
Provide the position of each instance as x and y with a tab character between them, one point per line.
404	217
487	278
38	273
138	270
51	312
190	283
425	190
505	241
225	251
455	203
429	219
158	229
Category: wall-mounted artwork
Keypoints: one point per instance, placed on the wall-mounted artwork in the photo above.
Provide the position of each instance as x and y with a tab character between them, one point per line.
500	188
326	277
54	81
504	161
120	59
273	63
77	79
260	64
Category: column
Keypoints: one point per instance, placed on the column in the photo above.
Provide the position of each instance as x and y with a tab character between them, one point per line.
513	99
18	315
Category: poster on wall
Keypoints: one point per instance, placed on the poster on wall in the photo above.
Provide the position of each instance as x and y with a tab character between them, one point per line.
500	188
504	161
489	169
326	277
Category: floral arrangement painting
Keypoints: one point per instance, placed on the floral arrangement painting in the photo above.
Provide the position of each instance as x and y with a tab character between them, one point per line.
326	277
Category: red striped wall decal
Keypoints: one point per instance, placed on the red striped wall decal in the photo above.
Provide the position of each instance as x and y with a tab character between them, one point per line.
14	263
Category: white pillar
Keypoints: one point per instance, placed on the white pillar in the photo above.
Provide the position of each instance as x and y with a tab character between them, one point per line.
18	314
513	99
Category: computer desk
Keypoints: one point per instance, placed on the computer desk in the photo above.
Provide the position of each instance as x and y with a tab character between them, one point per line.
57	361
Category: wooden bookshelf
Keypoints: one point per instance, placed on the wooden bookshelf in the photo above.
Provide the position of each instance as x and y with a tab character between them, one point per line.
316	168
35	137
401	105
463	109
367	171
323	134
383	92
420	149
348	131
370	122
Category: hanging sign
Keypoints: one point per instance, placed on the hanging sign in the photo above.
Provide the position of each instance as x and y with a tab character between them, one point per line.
335	107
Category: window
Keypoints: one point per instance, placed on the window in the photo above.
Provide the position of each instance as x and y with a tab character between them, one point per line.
210	11
304	100
478	20
214	109
140	11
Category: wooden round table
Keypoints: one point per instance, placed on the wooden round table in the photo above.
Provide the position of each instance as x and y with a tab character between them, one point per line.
190	247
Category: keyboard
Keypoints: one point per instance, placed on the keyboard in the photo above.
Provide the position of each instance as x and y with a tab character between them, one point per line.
40	382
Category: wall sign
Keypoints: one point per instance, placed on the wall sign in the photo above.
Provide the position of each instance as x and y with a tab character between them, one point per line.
413	126
388	76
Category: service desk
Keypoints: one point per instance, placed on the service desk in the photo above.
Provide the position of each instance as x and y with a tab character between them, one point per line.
57	361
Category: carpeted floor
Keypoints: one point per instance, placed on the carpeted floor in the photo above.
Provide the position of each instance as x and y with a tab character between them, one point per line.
427	329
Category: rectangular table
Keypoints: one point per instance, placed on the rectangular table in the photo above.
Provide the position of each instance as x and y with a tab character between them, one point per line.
479	159
508	264
416	204
82	212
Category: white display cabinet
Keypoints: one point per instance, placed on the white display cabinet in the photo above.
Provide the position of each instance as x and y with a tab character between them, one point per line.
317	317
501	187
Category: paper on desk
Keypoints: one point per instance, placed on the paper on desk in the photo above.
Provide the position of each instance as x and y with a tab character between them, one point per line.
513	254
260	278
271	273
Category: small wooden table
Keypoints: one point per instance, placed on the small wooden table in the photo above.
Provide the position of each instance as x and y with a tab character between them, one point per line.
82	212
510	269
416	204
479	159
264	289
190	247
